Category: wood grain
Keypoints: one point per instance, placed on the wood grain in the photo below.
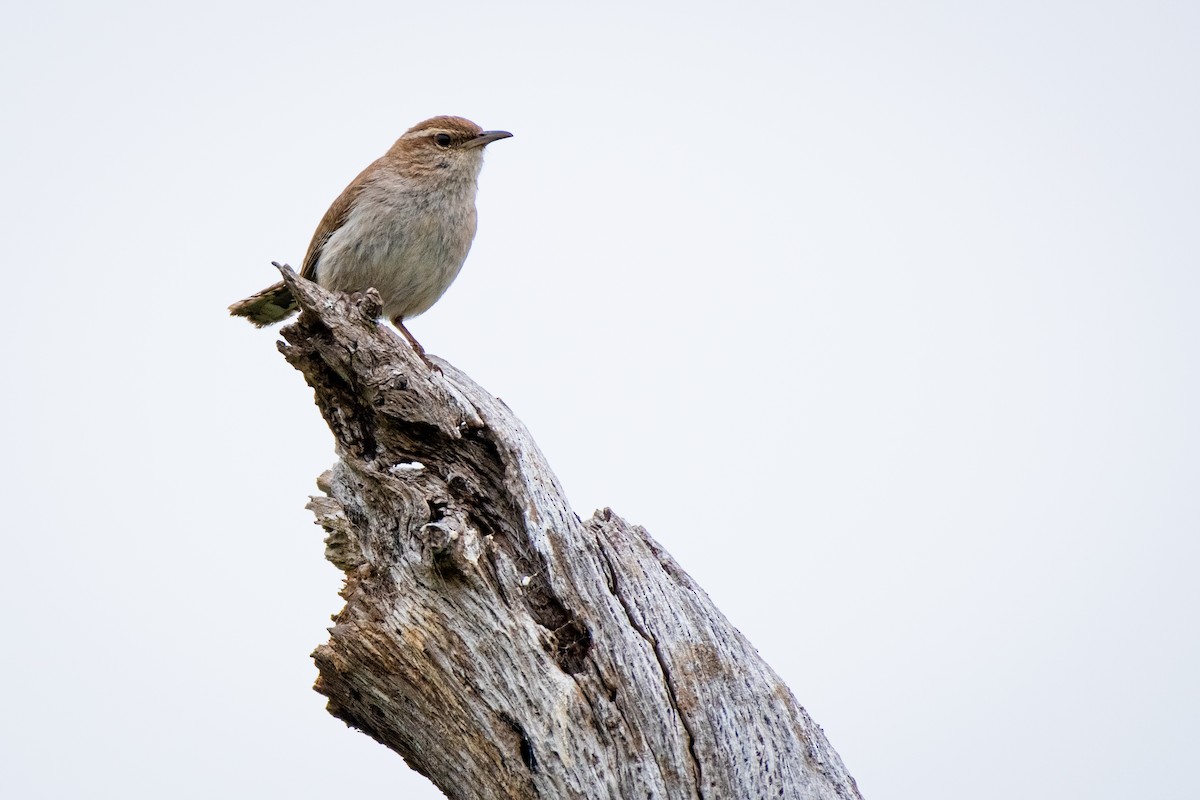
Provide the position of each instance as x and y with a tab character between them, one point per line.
500	644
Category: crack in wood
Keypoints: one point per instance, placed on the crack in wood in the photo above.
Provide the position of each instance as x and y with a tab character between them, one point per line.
472	591
662	664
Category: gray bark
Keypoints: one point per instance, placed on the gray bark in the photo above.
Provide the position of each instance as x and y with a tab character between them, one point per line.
502	646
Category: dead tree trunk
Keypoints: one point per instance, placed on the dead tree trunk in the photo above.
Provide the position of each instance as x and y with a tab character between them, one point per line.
502	646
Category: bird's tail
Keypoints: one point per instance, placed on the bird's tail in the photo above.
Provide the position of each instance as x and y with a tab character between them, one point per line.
267	307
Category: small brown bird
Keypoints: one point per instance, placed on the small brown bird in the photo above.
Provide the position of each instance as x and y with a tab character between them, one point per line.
403	226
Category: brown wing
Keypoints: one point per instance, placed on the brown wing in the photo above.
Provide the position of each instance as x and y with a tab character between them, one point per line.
334	218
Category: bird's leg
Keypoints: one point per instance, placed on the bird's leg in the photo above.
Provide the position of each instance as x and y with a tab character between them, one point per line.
420	351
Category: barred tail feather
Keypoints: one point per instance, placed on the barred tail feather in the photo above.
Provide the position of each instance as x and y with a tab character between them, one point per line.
267	307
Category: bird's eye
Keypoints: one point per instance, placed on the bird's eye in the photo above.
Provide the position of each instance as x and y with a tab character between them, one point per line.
442	139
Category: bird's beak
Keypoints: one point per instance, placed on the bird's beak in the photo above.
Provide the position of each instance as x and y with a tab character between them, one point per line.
487	137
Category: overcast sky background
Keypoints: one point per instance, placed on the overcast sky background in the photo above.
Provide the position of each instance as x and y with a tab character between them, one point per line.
883	318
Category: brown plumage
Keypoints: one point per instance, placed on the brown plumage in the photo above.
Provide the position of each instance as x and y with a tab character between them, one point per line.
403	226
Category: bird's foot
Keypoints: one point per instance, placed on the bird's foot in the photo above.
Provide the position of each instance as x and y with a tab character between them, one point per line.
416	346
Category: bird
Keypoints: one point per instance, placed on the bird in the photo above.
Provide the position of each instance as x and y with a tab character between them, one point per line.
404	226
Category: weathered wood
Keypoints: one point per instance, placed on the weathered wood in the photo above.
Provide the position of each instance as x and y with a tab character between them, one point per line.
502	646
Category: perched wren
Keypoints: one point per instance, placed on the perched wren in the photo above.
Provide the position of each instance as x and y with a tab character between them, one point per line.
403	226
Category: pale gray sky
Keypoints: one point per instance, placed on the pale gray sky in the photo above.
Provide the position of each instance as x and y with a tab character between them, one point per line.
883	318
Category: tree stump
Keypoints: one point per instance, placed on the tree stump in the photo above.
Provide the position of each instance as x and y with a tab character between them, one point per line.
504	647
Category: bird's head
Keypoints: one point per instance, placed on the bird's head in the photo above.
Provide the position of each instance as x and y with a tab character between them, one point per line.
450	147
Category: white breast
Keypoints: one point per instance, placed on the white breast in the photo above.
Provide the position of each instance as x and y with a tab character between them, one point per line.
408	245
